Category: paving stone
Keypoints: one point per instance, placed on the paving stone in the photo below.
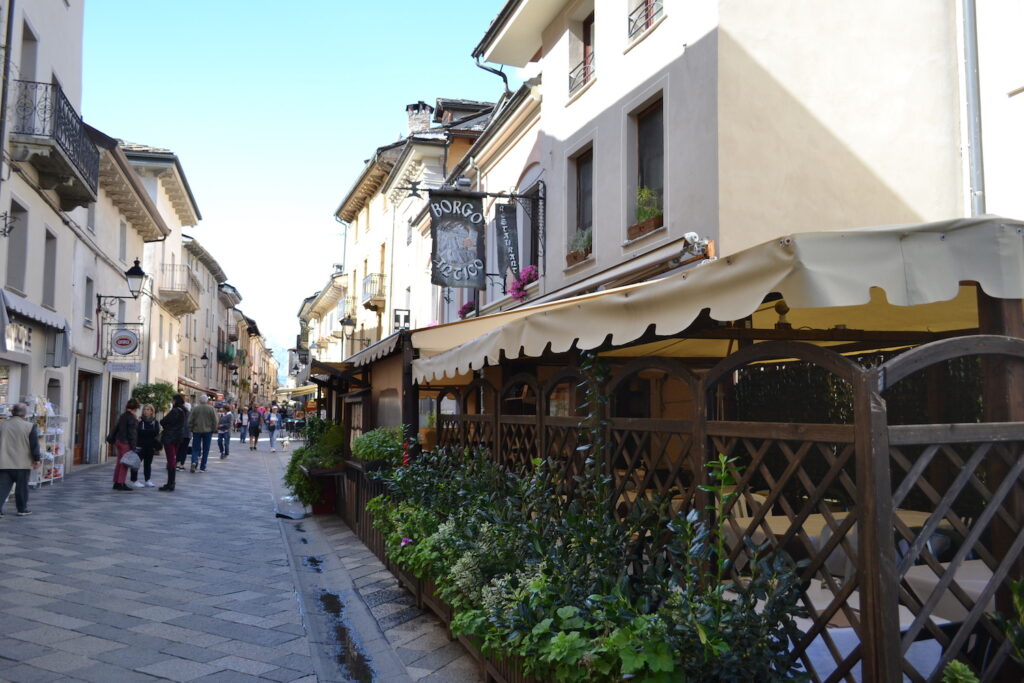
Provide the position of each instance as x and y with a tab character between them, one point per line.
193	652
177	669
60	662
30	674
247	666
88	645
284	675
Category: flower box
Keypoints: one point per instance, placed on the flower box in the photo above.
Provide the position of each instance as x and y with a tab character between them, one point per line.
574	257
645	226
435	603
328	481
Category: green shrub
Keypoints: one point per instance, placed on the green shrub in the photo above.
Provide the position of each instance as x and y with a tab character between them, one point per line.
305	489
648	204
958	672
383	443
158	394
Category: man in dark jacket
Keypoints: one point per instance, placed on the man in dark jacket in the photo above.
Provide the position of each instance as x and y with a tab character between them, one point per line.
19	454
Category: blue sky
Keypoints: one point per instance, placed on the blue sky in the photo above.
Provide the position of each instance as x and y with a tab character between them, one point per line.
273	109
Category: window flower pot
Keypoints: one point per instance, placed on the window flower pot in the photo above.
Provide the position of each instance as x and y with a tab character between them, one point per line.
574	257
645	226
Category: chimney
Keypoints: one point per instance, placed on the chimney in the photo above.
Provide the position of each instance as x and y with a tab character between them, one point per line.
419	116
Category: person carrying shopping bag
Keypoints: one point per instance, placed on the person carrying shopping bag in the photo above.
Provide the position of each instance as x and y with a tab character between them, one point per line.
149	445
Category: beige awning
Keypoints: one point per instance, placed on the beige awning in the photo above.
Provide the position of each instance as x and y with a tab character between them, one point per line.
882	278
295	392
376	351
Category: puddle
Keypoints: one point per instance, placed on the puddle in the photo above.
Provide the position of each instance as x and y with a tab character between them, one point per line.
313	562
299	527
303	539
353	662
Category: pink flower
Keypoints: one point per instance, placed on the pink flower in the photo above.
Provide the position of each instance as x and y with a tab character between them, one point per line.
406	541
517	290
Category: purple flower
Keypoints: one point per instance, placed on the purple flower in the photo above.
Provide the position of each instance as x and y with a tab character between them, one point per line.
406	541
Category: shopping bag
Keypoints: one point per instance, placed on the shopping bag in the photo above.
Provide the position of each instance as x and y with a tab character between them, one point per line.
131	460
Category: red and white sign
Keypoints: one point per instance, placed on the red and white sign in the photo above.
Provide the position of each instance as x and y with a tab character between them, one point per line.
124	342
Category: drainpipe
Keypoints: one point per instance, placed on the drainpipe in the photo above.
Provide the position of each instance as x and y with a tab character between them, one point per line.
5	86
499	72
344	244
973	95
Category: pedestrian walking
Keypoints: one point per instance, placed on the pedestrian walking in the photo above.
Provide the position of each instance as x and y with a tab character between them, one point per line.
149	445
255	426
273	421
186	439
125	437
243	425
19	455
202	422
224	425
175	424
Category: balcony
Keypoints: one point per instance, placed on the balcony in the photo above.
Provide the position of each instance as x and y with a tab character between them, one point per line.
47	132
582	73
374	291
227	354
179	290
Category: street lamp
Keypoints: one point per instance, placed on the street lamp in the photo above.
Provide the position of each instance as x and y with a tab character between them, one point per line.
205	359
234	378
135	277
348	328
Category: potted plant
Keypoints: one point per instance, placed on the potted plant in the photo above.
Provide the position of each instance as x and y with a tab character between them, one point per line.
518	288
579	247
379	448
649	215
466	308
313	467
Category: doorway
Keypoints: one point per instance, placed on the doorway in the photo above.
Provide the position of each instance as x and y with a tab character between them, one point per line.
118	398
85	416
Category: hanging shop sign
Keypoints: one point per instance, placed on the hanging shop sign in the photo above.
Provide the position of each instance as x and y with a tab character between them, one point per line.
402	318
124	342
507	230
123	366
457	230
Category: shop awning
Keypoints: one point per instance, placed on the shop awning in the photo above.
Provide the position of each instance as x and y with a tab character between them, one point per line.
23	308
192	384
873	279
378	350
296	392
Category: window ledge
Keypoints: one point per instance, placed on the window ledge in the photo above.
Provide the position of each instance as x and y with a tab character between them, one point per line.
641	37
87	323
578	93
579	264
657	231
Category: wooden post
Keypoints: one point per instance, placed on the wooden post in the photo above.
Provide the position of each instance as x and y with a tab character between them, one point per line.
876	557
410	390
1002	388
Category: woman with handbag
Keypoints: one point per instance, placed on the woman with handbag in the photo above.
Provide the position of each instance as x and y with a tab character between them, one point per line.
125	438
174	424
149	444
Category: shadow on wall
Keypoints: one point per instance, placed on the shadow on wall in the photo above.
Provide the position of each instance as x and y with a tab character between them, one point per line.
783	171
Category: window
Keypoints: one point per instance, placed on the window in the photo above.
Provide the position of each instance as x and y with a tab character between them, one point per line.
122	243
50	270
643	16
90	218
584	164
650	159
160	342
17	248
583	56
90	297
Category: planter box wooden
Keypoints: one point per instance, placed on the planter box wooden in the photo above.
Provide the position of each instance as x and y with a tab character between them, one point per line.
574	257
433	601
645	226
411	583
328	480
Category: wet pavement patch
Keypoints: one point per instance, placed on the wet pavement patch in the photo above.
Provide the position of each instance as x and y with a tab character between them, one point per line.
299	527
353	662
303	539
313	562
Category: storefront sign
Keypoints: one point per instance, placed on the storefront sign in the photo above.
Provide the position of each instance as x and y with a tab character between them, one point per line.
124	342
457	230
117	366
507	230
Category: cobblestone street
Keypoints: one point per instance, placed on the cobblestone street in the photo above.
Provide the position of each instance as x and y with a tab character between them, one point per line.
202	584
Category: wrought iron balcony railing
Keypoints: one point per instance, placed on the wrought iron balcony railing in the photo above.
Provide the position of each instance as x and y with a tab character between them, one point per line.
644	16
373	287
582	73
42	110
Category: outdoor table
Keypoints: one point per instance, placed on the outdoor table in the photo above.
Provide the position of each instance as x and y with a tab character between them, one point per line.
972	576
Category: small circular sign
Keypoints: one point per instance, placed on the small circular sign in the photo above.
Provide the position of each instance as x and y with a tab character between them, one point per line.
124	342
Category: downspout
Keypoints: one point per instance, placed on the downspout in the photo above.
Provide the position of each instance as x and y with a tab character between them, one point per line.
499	72
344	244
972	82
5	86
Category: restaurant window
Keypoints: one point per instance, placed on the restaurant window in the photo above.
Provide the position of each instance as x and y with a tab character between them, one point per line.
650	155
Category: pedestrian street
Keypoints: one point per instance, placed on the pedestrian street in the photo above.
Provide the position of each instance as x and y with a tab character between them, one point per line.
204	583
